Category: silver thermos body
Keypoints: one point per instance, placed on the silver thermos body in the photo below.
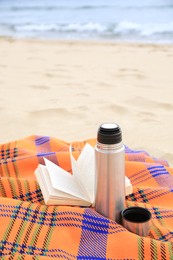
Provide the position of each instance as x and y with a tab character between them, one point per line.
110	172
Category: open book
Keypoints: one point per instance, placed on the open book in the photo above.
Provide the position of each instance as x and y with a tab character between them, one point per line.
59	187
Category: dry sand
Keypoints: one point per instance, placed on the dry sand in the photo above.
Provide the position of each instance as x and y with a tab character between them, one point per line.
67	89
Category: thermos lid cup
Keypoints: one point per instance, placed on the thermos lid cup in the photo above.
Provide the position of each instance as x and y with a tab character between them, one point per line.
137	220
109	133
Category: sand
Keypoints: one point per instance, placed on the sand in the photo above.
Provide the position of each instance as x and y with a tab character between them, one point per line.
66	89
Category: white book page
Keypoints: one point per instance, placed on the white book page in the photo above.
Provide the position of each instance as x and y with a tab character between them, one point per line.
45	177
84	170
128	186
64	181
53	196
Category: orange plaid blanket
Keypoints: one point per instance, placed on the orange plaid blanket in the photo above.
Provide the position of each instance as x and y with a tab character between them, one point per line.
31	230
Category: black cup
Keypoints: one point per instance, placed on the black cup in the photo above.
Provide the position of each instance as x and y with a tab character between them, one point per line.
137	220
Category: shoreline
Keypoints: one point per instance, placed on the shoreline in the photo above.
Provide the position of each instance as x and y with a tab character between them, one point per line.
66	89
84	41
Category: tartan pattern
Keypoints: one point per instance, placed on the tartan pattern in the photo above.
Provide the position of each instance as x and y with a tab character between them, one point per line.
31	230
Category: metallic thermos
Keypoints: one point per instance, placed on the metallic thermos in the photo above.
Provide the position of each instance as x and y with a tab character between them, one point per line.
110	172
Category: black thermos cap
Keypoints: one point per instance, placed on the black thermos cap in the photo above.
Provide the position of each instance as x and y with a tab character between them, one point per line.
109	133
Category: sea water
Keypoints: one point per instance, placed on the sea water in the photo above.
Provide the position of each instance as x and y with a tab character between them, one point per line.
117	20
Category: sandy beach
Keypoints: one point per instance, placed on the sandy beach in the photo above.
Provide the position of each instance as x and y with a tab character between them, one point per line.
66	89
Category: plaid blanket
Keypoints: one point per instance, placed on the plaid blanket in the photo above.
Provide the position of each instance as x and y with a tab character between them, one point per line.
31	230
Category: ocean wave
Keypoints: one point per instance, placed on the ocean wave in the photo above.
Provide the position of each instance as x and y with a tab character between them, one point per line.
122	30
37	8
147	7
72	27
124	27
7	27
42	7
55	6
